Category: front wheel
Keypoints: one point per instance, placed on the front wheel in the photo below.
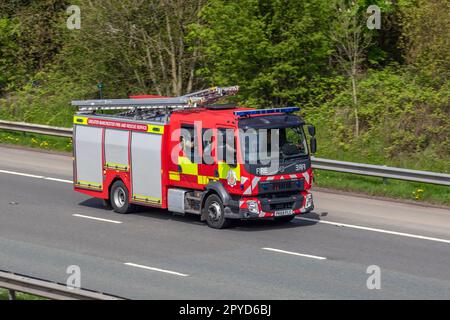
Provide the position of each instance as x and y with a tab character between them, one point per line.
215	215
120	198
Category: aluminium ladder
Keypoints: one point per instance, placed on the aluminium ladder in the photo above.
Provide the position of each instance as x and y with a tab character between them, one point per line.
191	100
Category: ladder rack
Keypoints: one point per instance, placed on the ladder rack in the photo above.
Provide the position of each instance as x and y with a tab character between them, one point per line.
191	100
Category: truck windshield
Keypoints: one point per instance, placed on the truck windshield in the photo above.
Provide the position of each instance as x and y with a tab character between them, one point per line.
258	146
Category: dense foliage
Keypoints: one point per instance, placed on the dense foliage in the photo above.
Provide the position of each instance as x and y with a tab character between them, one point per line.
380	96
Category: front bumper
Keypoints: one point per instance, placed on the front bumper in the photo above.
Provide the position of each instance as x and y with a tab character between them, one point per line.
261	207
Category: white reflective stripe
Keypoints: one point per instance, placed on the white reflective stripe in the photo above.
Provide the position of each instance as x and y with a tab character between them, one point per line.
306	176
248	190
255	182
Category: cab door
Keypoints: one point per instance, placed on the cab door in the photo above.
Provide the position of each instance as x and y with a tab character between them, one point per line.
228	168
188	155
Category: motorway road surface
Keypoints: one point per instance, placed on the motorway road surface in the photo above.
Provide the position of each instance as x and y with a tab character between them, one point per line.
46	227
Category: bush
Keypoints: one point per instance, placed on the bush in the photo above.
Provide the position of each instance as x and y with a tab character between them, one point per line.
404	120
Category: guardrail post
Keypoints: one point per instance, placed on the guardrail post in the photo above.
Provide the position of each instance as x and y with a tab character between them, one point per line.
385	180
11	294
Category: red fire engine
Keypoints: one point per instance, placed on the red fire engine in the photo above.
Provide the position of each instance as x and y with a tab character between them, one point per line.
152	152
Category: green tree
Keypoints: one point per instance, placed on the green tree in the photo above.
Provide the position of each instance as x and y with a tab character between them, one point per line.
273	49
136	46
31	35
351	42
9	50
426	37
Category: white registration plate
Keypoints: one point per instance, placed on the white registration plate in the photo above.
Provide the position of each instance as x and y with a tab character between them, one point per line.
280	213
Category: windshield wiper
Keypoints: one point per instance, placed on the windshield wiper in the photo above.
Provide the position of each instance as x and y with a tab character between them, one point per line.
292	156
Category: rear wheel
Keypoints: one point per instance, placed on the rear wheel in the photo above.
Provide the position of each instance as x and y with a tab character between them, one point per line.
215	214
120	198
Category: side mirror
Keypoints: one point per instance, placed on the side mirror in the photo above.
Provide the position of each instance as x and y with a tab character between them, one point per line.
313	144
312	130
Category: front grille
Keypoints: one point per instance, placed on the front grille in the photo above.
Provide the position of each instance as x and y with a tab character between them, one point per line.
281	206
281	203
281	186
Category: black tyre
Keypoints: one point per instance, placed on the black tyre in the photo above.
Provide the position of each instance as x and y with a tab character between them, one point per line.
284	219
107	204
119	197
215	214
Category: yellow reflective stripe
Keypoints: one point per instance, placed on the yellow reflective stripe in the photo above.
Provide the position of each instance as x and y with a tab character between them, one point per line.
141	198
173	175
187	167
88	184
204	179
80	120
117	166
223	169
153	128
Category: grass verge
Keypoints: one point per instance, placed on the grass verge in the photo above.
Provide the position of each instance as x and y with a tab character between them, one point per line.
36	141
19	296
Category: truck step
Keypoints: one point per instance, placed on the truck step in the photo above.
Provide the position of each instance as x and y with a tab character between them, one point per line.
193	198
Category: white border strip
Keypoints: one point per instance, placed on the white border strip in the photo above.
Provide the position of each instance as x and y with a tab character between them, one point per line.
156	269
95	218
35	176
295	253
409	235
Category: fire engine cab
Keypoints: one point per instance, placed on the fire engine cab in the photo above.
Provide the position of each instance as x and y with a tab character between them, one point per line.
190	155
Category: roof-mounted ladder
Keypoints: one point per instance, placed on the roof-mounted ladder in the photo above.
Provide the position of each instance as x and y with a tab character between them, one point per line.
190	100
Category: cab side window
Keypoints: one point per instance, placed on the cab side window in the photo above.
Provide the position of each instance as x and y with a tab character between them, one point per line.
187	141
207	146
226	146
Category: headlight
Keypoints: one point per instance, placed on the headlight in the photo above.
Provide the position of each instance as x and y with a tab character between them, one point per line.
309	201
252	206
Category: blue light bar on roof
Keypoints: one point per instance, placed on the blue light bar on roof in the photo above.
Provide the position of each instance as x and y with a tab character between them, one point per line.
266	111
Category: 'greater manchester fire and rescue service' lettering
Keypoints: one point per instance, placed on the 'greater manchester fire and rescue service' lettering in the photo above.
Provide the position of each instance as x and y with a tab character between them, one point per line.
118	125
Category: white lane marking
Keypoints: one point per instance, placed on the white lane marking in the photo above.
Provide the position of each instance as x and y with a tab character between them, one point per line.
58	180
409	235
295	253
95	218
34	176
22	174
156	269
